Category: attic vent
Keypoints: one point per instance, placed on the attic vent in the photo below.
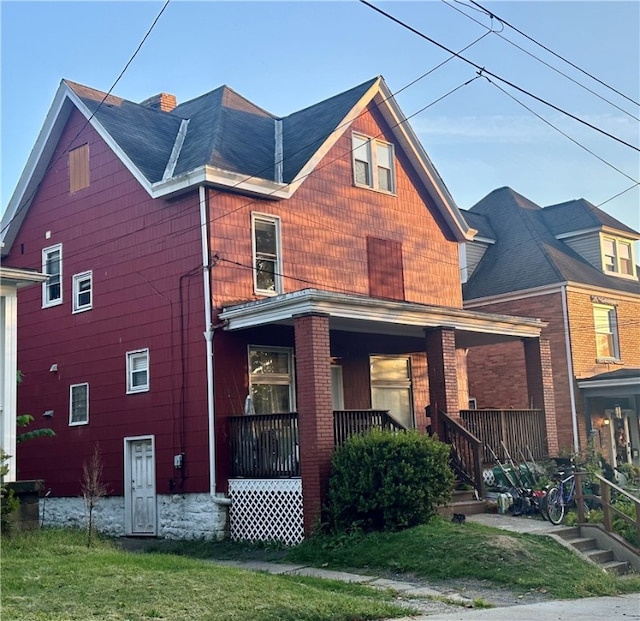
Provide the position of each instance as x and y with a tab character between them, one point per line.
163	101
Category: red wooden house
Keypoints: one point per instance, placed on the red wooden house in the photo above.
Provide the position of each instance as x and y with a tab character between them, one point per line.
230	294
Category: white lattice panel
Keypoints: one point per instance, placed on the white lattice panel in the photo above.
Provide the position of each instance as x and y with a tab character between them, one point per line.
489	478
266	510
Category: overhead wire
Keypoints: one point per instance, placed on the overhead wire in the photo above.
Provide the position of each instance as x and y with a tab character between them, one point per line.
497	77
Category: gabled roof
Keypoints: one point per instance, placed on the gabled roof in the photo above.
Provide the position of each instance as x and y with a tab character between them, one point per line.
580	215
527	254
481	224
221	139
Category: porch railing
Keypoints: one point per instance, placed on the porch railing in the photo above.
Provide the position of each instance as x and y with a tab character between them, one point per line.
347	423
523	432
264	446
466	453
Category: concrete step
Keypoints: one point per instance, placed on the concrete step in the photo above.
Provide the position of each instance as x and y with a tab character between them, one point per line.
465	507
582	543
618	568
600	556
567	532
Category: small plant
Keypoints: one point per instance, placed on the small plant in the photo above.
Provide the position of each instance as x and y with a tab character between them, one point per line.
387	481
93	489
8	502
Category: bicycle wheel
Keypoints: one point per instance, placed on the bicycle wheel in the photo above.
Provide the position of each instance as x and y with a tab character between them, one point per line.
555	505
542	506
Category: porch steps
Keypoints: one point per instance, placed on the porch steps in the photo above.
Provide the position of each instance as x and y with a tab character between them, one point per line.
462	502
588	548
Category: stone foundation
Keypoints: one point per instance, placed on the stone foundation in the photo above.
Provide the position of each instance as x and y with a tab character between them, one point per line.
180	516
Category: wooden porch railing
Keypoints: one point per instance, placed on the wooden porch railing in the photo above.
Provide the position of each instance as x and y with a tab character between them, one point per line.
522	431
466	452
264	446
347	423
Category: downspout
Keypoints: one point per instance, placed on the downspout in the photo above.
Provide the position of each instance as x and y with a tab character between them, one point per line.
208	336
567	344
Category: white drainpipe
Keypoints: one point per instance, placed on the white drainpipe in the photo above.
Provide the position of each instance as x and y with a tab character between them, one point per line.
208	335
567	344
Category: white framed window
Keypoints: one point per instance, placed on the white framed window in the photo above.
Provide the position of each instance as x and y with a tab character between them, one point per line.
137	371
617	257
606	330
271	379
52	265
78	404
267	256
82	291
373	163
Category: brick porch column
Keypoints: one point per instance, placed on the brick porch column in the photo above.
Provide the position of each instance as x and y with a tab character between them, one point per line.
537	358
443	376
315	411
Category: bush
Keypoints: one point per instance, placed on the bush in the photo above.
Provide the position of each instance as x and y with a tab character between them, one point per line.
387	481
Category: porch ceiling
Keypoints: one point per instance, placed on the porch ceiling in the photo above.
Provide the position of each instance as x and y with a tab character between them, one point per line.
353	313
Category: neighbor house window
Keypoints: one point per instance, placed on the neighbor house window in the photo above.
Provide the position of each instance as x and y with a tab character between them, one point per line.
52	265
267	260
138	371
373	163
391	387
271	379
79	168
606	329
78	404
617	256
82	292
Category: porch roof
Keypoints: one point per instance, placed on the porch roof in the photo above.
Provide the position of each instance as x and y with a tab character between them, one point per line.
358	313
613	383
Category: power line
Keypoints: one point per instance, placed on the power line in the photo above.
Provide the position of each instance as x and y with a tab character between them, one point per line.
568	77
497	77
635	185
544	47
87	121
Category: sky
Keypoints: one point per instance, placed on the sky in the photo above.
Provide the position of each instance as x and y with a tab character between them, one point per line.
285	56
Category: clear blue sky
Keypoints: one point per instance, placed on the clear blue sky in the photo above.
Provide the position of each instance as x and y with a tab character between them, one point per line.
285	56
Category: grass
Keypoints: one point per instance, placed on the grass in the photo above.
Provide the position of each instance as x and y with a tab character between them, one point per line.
440	551
52	575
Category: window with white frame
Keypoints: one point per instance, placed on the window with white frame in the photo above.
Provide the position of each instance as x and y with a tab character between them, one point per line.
617	256
391	387
52	266
267	260
271	379
79	404
373	163
138	371
606	329
82	292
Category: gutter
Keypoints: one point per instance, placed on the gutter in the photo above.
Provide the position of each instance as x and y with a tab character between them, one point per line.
208	336
567	344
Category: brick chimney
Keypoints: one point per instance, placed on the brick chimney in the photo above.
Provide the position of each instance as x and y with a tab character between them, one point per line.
163	101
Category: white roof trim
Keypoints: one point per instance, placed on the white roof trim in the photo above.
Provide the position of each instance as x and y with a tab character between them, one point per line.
177	148
19	277
283	308
609	383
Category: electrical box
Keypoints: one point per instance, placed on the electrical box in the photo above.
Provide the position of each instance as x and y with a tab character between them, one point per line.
177	460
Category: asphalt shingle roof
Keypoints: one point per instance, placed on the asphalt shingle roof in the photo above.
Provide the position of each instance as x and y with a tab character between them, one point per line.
580	215
527	254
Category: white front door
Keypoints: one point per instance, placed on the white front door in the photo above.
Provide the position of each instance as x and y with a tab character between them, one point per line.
140	486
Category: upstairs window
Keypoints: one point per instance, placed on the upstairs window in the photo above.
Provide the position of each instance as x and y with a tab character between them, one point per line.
606	329
137	371
271	379
373	163
79	168
52	265
82	292
617	257
267	261
78	404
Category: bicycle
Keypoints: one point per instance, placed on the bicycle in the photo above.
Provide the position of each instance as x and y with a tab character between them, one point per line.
559	497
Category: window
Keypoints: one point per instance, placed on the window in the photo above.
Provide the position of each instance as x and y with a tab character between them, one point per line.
138	371
78	404
79	168
82	292
52	265
391	387
267	262
384	268
373	163
617	257
606	329
271	379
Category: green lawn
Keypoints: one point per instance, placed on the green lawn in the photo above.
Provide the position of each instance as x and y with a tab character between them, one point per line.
51	575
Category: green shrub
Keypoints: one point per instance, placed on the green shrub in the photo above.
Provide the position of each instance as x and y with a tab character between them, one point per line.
8	502
387	481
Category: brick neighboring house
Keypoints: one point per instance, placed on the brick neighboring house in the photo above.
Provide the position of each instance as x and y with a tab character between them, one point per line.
230	291
573	266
